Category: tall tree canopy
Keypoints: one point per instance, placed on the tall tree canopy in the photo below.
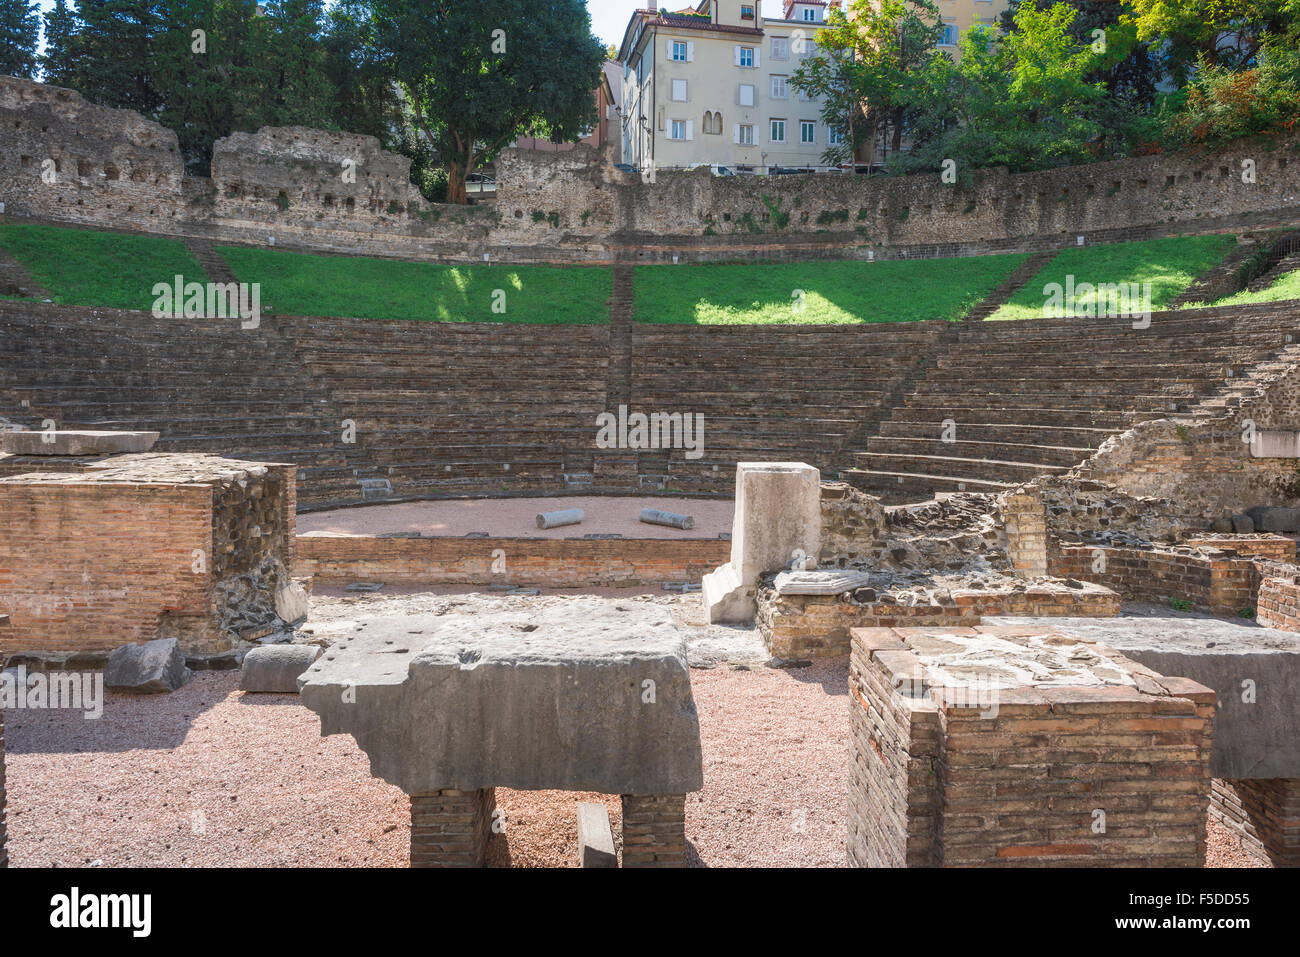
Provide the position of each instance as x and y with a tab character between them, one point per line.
20	33
474	74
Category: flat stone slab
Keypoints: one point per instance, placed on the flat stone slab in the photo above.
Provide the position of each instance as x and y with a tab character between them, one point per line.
76	442
834	581
154	667
1253	671
275	669
587	696
595	837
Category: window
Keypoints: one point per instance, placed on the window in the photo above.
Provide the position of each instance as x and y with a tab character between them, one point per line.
834	137
779	88
746	97
809	13
778	131
807	131
679	50
681	130
780	48
745	56
949	36
679	91
746	11
745	135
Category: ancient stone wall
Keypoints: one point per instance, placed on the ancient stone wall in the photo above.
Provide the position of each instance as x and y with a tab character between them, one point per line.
116	168
4	852
1203	463
65	158
139	547
1279	603
552	563
1263	814
1213	580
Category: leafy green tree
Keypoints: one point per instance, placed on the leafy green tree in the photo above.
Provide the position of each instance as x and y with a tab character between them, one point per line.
114	46
364	96
20	32
475	74
1025	100
866	69
1225	33
1222	105
62	47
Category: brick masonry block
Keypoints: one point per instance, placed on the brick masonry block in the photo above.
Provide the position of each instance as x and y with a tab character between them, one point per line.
654	830
450	828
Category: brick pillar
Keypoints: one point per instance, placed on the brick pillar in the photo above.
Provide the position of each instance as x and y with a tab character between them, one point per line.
1026	523
450	828
654	830
1264	814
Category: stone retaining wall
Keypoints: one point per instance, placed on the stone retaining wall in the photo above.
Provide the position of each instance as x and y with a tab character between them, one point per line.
547	562
1264	815
809	626
1279	603
1218	582
115	168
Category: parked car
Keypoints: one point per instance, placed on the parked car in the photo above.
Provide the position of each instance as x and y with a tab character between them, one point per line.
625	167
480	183
722	170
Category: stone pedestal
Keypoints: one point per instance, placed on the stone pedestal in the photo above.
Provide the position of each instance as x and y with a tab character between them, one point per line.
450	828
777	524
654	830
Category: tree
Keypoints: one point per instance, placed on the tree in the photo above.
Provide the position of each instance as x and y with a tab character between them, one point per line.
475	74
865	70
59	62
1025	100
1226	33
20	32
1221	105
114	47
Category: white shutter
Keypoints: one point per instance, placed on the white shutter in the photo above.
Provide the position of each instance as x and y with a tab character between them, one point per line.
690	129
756	49
690	51
736	52
735	134
668	49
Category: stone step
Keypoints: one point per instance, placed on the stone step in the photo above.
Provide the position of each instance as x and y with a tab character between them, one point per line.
1030	454
983	469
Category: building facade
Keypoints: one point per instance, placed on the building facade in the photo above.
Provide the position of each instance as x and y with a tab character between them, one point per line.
711	85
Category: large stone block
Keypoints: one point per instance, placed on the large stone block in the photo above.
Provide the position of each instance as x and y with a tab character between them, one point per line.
76	442
1253	671
153	667
777	524
586	696
275	669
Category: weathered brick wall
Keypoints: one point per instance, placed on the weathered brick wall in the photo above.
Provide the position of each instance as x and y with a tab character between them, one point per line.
139	547
1218	582
1263	814
811	626
939	781
574	206
4	852
451	828
104	165
654	830
549	562
1279	603
1275	548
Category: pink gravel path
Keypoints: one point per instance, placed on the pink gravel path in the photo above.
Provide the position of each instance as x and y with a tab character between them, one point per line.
517	517
210	777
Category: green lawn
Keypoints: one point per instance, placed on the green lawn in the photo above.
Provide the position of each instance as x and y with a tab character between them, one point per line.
894	290
1170	265
82	267
354	287
1287	286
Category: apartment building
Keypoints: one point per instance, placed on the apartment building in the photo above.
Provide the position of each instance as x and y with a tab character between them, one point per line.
711	85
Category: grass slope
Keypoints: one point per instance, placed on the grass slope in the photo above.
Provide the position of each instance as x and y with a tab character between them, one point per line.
833	292
83	267
1286	286
1170	265
355	287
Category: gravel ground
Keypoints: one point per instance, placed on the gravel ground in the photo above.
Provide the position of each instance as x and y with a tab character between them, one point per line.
208	776
518	517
